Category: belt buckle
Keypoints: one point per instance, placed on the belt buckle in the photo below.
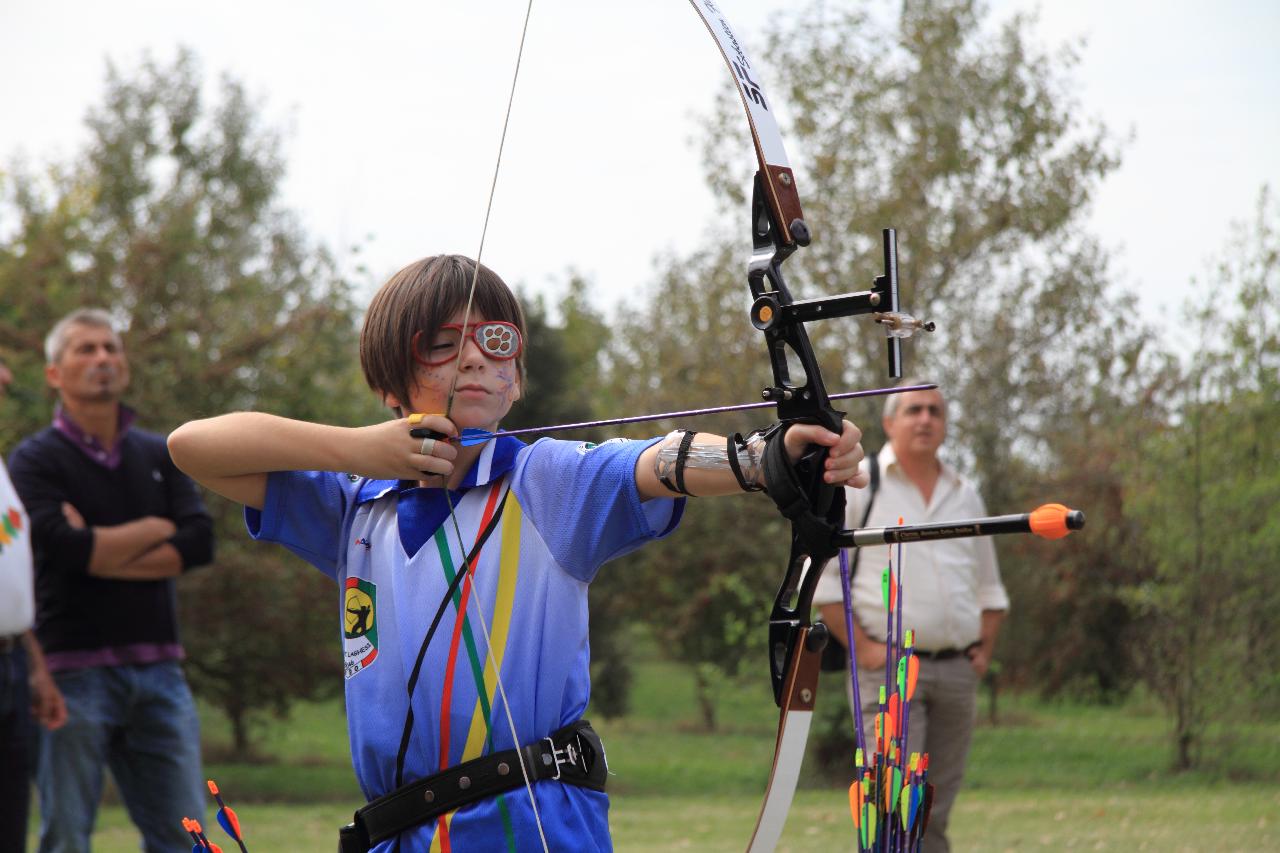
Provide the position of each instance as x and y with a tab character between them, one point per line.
568	755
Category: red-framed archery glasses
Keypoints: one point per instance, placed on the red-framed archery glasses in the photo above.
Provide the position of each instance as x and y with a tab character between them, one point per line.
497	339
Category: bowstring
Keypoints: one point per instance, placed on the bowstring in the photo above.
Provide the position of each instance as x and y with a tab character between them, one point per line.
453	387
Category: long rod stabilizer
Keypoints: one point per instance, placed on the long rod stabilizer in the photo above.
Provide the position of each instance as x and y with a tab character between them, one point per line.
1050	521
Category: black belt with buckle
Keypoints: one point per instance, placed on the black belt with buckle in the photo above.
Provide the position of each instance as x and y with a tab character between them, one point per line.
946	654
8	644
573	754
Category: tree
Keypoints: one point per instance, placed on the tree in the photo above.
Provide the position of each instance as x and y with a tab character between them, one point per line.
1205	488
171	220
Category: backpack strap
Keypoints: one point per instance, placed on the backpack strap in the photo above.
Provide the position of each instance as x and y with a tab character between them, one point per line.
834	655
872	488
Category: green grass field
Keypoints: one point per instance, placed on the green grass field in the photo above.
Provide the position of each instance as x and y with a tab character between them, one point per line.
1049	777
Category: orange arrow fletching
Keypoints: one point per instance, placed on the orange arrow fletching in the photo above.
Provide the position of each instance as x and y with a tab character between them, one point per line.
230	822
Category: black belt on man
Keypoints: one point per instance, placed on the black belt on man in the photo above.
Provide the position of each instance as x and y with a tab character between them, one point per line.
573	754
946	654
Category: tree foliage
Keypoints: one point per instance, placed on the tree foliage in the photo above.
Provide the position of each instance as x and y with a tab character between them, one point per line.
170	219
1204	487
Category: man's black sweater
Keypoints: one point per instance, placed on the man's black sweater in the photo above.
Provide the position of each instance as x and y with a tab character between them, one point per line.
76	611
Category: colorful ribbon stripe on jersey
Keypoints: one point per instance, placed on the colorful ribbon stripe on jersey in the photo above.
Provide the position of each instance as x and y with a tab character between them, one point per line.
480	734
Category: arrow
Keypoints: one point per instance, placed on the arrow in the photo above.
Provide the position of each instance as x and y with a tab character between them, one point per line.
203	843
227	818
471	437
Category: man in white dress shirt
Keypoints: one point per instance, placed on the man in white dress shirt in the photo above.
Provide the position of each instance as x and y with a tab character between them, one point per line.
952	595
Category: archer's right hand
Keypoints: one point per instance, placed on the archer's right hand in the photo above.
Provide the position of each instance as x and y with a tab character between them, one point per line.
387	451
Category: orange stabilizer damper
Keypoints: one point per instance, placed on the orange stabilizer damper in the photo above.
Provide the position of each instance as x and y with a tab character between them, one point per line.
1053	521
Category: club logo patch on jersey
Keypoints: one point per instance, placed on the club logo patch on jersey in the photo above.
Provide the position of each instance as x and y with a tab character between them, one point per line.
359	625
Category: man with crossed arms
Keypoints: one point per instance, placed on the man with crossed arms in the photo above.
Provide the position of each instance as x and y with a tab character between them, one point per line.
113	522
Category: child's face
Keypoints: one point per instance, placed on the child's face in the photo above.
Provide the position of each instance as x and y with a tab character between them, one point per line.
485	389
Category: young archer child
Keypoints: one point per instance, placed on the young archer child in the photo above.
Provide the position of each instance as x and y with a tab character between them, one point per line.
475	761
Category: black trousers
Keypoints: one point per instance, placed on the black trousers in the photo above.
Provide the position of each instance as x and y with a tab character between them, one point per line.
15	749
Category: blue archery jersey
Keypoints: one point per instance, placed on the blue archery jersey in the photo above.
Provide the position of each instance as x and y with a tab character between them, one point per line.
557	511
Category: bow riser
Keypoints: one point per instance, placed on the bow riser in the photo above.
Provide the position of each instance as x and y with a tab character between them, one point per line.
791	626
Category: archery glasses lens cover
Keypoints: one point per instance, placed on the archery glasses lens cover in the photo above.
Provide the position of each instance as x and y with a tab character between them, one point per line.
497	339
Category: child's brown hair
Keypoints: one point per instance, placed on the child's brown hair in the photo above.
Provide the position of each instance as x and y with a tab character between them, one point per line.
420	298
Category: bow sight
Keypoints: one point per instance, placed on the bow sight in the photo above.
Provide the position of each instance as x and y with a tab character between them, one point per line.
778	316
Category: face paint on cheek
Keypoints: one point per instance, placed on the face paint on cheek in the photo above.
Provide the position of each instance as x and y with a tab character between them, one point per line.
430	389
431	376
508	377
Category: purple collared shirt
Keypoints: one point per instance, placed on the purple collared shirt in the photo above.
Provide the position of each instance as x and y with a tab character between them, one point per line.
107	457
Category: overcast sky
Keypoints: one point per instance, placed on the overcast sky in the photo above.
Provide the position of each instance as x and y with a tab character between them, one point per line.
392	113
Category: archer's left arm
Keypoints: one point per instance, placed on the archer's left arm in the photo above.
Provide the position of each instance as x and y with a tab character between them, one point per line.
706	471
